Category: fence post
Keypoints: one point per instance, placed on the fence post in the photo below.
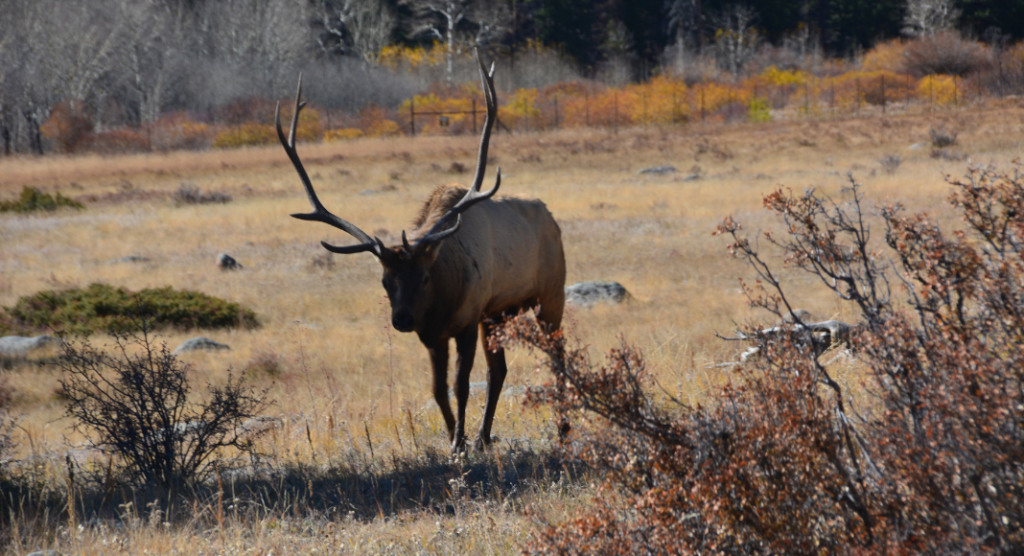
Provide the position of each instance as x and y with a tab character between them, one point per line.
412	117
474	116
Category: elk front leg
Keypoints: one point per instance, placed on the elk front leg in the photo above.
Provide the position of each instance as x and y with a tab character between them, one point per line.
439	362
465	346
496	371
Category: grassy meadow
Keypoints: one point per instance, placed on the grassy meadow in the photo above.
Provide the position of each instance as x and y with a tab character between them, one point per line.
352	393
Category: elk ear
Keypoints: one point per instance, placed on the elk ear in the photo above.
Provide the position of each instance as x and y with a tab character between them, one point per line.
426	253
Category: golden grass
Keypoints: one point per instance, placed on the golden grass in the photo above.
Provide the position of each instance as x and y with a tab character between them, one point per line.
328	326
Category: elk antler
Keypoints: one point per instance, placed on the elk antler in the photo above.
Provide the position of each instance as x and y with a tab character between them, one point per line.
321	214
438	232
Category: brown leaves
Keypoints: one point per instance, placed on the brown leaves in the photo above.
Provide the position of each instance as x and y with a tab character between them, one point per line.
776	464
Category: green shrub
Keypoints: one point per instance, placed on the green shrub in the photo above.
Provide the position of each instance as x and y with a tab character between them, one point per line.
104	308
32	199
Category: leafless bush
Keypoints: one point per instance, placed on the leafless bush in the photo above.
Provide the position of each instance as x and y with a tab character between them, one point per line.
6	392
947	53
779	461
135	403
264	363
323	260
189	194
890	162
8	424
941	138
947	155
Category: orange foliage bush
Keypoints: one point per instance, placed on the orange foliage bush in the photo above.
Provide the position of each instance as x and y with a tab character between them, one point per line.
779	461
374	121
455	101
344	134
67	125
886	56
245	135
938	89
116	141
178	131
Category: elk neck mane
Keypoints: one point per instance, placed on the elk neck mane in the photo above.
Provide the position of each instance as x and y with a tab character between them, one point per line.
441	200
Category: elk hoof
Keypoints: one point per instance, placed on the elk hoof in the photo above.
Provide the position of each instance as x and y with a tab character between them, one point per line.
458	446
481	444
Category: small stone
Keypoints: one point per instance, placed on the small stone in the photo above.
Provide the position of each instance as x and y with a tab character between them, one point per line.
199	343
227	262
658	170
130	259
587	294
692	177
18	346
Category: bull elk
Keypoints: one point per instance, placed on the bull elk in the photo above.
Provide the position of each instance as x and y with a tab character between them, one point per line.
461	270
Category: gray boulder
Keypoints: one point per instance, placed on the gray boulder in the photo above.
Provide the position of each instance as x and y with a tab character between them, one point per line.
588	294
227	262
130	259
45	553
479	389
19	346
258	425
658	170
199	343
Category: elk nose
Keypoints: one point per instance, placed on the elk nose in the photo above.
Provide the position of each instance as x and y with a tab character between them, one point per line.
403	322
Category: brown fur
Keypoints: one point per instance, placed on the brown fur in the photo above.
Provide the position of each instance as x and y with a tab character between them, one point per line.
440	201
506	256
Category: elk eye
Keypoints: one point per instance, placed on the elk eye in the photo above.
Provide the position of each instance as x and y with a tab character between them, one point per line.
426	278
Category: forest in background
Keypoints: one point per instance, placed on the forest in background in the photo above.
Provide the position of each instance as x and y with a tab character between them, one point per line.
131	75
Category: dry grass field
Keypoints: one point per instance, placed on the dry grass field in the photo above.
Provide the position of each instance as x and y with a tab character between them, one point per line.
354	394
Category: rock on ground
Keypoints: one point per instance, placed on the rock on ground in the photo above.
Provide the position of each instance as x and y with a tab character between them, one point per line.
227	262
658	170
17	346
199	343
587	294
130	259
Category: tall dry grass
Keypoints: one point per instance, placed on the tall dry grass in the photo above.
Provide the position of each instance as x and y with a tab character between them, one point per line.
344	381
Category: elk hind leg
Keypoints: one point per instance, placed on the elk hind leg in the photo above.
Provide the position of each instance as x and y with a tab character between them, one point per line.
496	372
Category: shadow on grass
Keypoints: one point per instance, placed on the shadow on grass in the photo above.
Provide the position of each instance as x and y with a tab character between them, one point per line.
355	486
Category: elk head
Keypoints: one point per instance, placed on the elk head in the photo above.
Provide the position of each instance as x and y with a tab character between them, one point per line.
407	267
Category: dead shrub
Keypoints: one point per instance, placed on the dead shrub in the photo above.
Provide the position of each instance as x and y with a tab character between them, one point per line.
116	141
6	393
947	155
68	123
941	138
264	363
136	403
890	162
189	194
945	53
779	461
